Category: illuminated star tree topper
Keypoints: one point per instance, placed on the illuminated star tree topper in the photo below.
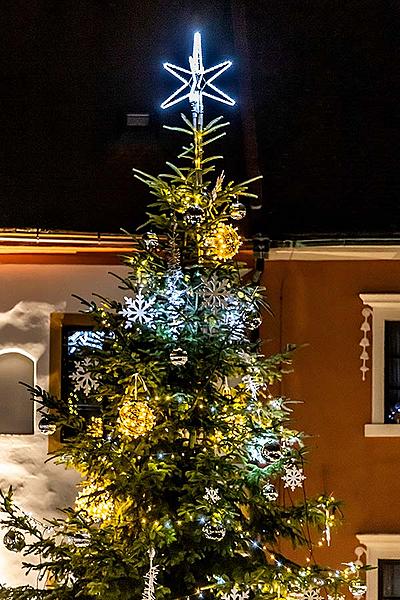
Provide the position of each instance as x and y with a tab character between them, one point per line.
197	82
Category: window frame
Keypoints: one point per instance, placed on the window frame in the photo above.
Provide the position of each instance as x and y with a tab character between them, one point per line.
379	546
57	322
382	562
385	307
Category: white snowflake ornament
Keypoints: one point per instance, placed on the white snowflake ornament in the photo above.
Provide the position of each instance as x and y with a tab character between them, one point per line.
216	293
294	478
138	309
212	495
235	594
83	378
311	594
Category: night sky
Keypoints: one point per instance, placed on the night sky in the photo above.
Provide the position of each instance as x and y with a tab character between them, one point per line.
319	81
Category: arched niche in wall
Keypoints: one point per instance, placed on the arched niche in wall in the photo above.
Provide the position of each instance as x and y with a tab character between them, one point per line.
16	407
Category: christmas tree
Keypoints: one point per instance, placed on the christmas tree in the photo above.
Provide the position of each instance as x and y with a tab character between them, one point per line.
192	477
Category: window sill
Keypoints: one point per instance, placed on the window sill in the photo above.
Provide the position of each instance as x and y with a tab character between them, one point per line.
381	430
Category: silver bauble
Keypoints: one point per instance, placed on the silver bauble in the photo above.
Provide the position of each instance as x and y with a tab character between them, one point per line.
271	452
238	210
14	540
150	240
81	540
269	492
357	588
46	426
214	532
194	215
178	357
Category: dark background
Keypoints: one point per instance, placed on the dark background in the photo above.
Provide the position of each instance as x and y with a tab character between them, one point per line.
317	86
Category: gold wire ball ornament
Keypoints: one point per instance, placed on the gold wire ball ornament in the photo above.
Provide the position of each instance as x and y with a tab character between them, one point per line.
136	418
223	242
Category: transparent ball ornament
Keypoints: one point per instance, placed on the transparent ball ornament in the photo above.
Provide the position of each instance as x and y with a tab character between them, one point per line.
14	540
269	492
271	452
178	357
357	588
238	210
194	215
81	539
150	240
214	531
254	321
46	426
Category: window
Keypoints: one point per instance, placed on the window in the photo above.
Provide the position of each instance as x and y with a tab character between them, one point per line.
385	364
388	579
68	377
383	552
16	406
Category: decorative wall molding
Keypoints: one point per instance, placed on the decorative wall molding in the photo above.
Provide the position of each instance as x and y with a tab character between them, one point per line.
365	343
359	552
382	307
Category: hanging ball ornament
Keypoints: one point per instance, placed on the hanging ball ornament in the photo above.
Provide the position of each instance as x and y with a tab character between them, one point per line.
269	492
223	242
254	321
81	540
150	240
136	418
357	588
178	357
214	531
238	210
271	452
194	215
46	426
14	540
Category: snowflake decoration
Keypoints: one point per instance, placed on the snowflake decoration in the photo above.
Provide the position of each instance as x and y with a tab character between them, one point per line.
85	338
83	378
212	495
311	594
253	385
216	293
293	478
235	594
137	309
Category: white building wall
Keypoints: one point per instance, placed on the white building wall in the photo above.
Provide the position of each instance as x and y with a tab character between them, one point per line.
28	295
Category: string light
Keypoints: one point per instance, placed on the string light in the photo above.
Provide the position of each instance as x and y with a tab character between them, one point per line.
95	500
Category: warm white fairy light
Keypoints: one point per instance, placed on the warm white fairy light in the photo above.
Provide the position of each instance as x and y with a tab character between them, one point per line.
194	81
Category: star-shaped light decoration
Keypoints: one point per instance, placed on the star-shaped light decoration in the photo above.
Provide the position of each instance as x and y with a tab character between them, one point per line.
195	83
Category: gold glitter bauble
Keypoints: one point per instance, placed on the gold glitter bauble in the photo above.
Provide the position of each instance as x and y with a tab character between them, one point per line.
223	242
136	418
